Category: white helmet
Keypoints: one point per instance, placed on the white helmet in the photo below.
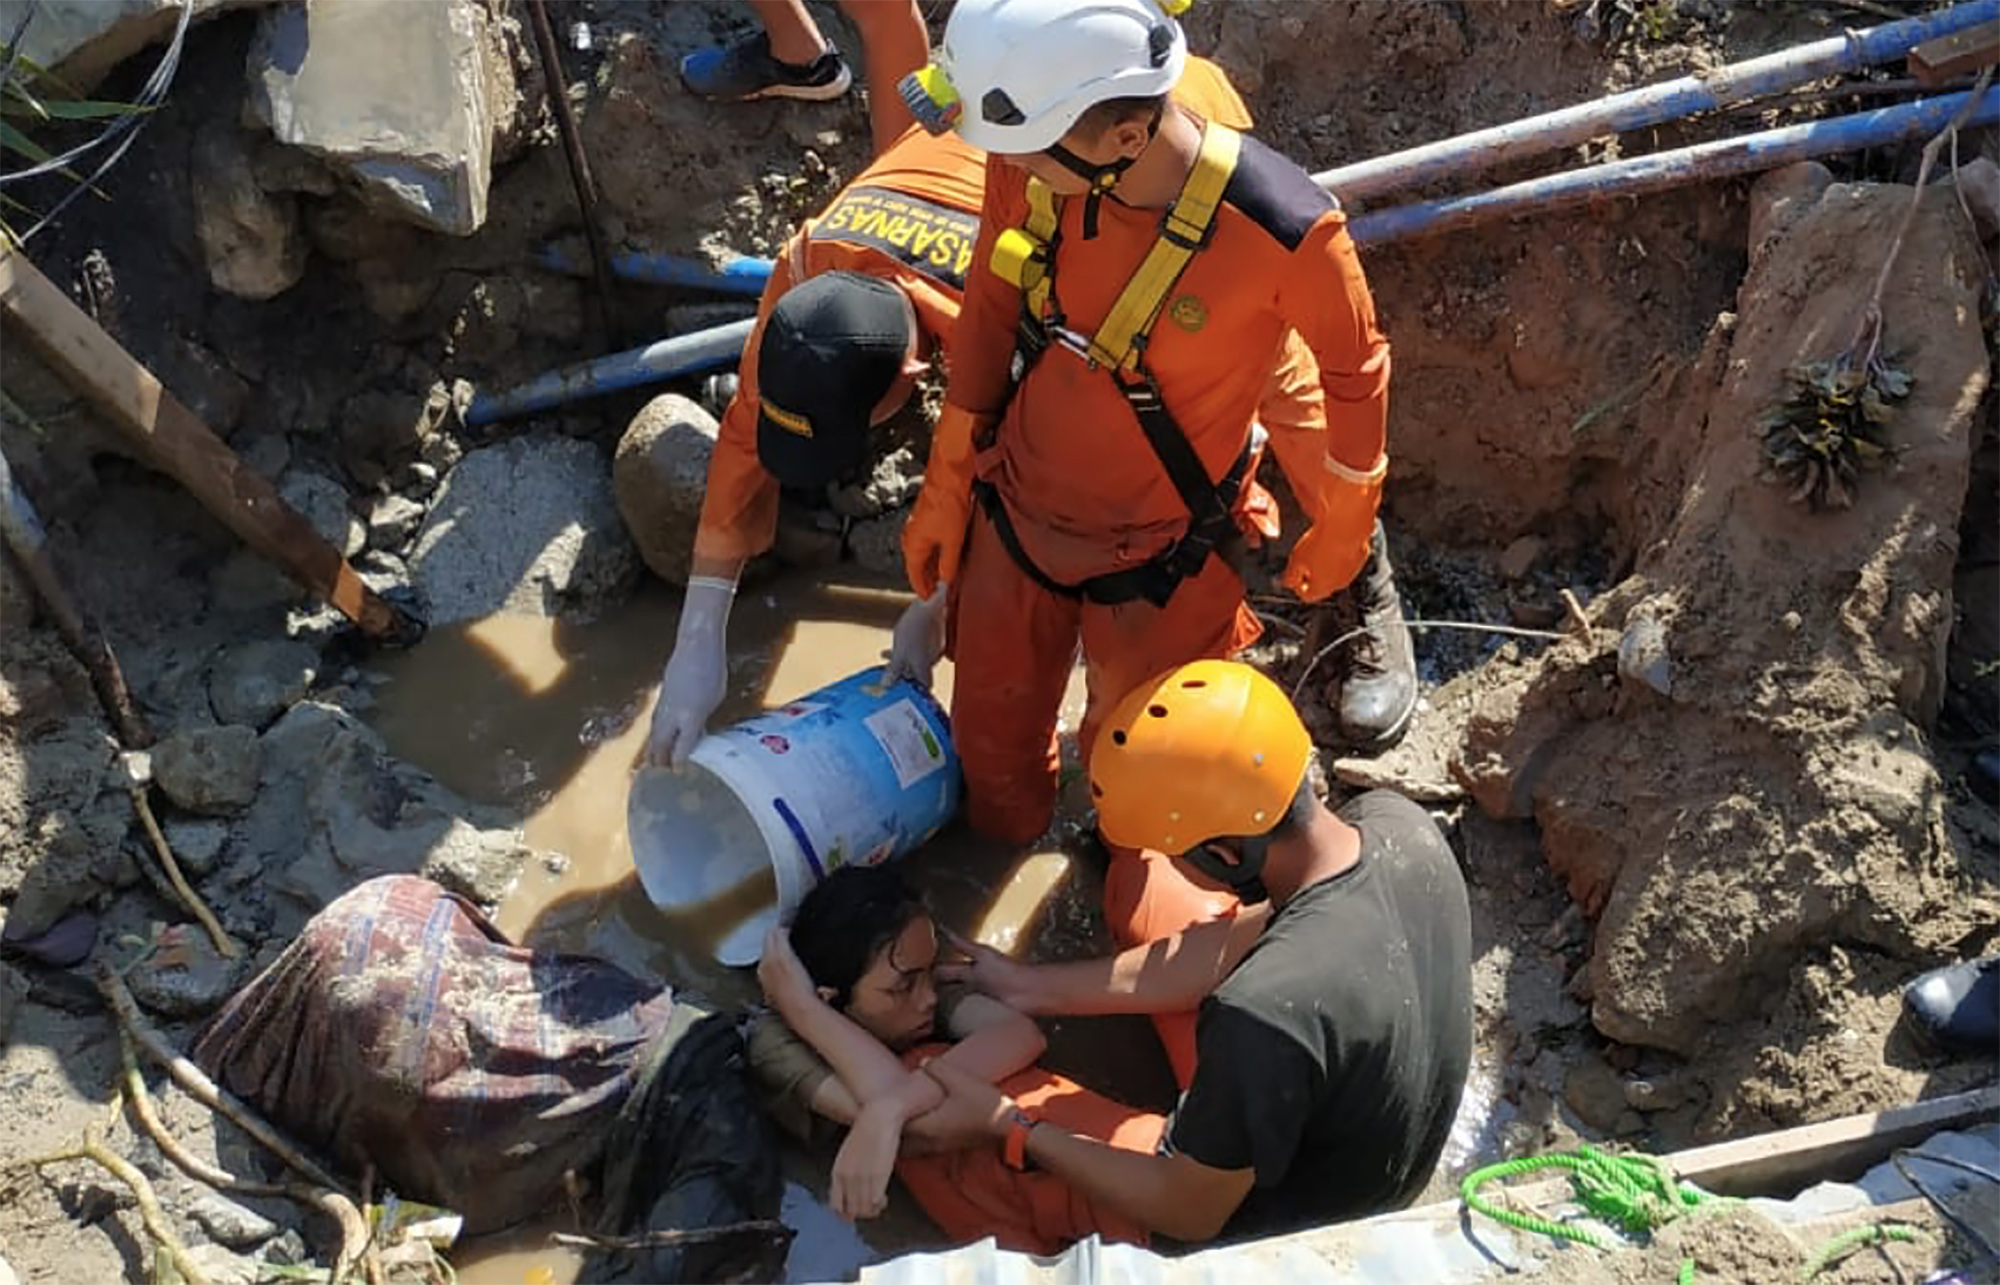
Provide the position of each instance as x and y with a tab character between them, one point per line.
1025	70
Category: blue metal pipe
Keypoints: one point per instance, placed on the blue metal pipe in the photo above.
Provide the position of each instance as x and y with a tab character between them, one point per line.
741	274
1699	163
668	359
1739	82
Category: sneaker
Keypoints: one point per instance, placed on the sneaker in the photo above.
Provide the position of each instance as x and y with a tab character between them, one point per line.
746	70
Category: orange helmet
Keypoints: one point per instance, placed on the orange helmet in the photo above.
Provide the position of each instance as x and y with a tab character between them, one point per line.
1207	750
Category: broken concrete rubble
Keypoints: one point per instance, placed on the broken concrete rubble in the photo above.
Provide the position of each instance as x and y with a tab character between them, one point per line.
530	526
335	809
661	474
395	95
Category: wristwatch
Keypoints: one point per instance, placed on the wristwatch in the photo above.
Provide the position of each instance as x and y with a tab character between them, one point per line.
1014	1151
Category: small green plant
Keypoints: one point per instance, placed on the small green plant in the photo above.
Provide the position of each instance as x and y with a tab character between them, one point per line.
1831	426
36	104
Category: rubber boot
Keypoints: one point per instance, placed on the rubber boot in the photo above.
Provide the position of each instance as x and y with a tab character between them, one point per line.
1958	1007
1378	684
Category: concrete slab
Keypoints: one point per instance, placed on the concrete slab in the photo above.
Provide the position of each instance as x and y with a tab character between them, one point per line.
395	94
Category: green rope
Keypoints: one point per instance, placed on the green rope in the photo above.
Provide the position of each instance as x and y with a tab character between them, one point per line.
1687	1272
1858	1238
1635	1193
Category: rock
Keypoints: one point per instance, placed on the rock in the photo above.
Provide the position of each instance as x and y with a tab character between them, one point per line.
287	1249
661	474
892	482
268	453
1595	1092
392	521
477	864
529	525
257	681
323	502
13	990
383	572
347	231
1521	556
1643	660
1662	1093
228	1222
197	845
417	480
184	976
336	809
395	96
251	241
220	1265
246	581
382	430
287	169
210	769
1979	182
487	324
1780	196
877	543
81	40
65	873
1546	1072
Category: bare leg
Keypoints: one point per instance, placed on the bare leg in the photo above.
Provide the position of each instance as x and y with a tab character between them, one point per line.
795	37
894	43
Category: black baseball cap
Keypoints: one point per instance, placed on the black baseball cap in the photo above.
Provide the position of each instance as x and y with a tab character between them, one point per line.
832	347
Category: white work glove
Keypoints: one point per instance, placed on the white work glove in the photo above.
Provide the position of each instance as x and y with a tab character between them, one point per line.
918	642
697	674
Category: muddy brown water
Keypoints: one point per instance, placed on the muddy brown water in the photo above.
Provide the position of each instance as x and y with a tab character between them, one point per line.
547	718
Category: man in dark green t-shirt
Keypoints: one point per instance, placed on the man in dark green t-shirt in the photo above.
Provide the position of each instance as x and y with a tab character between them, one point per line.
1336	1033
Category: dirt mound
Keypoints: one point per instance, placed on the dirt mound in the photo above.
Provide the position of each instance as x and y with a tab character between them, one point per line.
1764	787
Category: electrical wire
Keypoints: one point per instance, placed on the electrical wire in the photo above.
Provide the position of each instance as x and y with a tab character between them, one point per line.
124	129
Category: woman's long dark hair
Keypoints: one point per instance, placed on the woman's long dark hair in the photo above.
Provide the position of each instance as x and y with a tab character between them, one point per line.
849	919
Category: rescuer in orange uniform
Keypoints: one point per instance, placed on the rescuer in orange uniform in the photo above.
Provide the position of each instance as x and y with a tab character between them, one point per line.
1138	267
860	300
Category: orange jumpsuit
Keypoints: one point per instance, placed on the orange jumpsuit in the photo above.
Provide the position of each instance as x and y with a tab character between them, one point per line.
1083	489
971	1194
911	218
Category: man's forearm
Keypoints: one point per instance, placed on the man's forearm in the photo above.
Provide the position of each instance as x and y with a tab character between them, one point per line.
1171	975
1137	1185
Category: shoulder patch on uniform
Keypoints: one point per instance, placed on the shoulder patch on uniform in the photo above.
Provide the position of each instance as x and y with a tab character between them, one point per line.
1275	194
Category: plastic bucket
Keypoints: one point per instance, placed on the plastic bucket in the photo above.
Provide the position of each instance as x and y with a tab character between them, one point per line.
846	774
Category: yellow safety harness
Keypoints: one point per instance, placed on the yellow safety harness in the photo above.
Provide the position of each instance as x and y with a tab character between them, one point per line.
1026	256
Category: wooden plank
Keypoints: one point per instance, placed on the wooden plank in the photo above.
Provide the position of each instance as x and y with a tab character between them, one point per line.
1936	61
177	443
1833	1150
1771	1164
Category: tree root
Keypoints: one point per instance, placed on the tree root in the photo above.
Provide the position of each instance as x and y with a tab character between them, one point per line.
196	1082
226	946
354	1236
92	1148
